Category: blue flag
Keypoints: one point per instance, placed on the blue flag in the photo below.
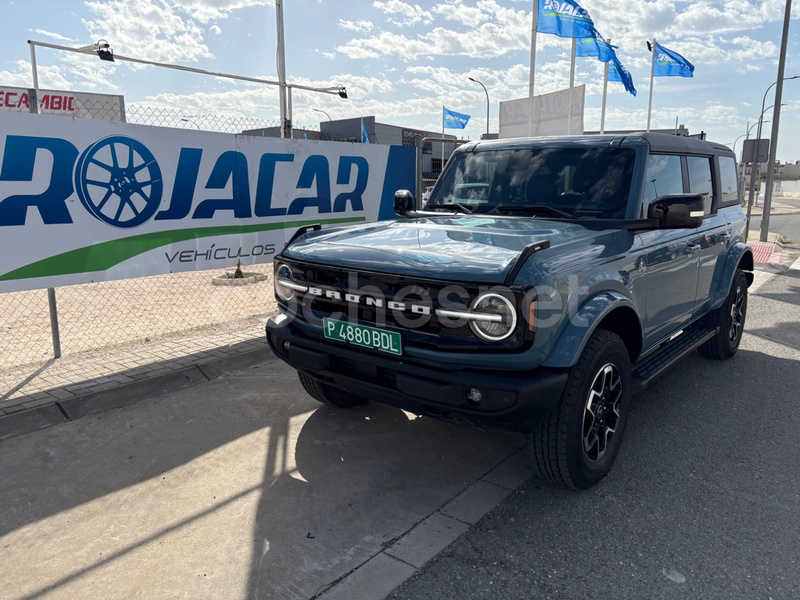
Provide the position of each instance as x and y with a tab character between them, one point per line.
671	64
564	18
364	136
616	72
454	120
595	45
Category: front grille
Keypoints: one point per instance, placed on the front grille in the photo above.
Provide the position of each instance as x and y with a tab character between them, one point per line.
352	295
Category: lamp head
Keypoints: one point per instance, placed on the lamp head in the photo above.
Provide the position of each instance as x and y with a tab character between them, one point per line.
342	92
104	51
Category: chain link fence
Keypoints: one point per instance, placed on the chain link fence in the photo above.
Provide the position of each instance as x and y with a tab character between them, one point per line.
166	117
114	313
432	156
110	314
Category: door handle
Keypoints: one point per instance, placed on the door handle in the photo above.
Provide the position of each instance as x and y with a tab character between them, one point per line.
691	249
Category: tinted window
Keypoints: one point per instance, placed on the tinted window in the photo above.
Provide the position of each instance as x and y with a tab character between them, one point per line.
729	181
700	180
584	182
664	176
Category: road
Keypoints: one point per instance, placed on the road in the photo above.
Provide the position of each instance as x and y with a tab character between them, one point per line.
786	225
244	487
703	501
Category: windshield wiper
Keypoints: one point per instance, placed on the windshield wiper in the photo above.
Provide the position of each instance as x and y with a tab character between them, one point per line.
537	208
461	207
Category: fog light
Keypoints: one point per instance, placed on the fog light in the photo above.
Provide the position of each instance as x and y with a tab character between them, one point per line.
474	396
286	346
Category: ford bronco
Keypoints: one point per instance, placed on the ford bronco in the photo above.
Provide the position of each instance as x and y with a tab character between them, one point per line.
544	282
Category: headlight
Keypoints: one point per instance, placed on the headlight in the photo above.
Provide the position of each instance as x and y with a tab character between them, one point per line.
501	317
284	286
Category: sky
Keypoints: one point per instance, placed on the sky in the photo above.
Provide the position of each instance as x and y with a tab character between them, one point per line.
402	61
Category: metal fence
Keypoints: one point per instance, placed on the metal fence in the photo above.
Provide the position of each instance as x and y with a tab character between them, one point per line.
432	156
179	119
107	314
112	313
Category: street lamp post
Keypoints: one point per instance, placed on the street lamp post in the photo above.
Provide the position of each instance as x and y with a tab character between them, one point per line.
755	158
487	102
323	112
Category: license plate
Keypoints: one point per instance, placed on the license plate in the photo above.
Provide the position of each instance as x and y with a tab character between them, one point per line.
364	336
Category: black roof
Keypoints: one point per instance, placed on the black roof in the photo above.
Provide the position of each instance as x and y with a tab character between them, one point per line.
659	142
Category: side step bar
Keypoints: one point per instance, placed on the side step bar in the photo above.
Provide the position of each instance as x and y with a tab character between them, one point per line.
646	371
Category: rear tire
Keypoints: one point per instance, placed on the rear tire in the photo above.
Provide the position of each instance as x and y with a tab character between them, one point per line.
575	446
729	320
327	394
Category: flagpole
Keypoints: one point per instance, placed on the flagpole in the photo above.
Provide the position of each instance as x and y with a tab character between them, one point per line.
571	84
534	27
442	142
652	70
605	93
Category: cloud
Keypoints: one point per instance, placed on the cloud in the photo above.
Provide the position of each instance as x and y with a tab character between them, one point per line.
206	11
50	76
144	28
53	36
720	114
361	25
456	10
403	14
490	31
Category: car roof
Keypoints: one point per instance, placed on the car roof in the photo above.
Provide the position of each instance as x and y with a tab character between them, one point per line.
658	142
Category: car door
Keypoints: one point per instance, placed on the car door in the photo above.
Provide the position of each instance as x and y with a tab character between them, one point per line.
670	256
714	233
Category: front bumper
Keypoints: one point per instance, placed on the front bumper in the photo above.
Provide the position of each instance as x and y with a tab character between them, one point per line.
512	400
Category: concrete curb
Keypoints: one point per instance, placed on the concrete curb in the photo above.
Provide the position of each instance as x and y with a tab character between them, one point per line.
378	576
91	403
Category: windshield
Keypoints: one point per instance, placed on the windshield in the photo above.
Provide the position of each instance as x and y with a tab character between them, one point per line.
556	182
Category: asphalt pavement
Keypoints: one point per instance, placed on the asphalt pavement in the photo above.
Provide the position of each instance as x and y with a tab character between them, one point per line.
703	501
785	223
241	486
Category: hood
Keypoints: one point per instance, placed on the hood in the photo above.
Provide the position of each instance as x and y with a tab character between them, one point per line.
466	248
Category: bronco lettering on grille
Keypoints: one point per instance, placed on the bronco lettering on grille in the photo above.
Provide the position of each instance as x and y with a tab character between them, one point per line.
364	300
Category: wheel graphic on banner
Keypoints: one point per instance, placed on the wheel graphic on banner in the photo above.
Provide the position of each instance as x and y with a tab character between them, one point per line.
119	181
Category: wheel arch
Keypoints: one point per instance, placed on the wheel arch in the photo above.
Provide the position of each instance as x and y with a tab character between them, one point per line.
740	256
608	310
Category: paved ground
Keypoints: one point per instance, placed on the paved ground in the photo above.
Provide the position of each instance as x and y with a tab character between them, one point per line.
241	487
348	505
702	502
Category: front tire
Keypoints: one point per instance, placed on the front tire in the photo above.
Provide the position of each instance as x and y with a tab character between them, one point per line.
576	445
729	321
327	394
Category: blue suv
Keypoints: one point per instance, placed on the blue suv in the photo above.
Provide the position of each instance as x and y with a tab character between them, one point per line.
544	282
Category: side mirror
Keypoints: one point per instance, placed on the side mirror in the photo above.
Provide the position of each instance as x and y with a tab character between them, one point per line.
677	211
404	202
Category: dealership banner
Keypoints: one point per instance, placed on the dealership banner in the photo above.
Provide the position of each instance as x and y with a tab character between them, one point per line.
84	200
